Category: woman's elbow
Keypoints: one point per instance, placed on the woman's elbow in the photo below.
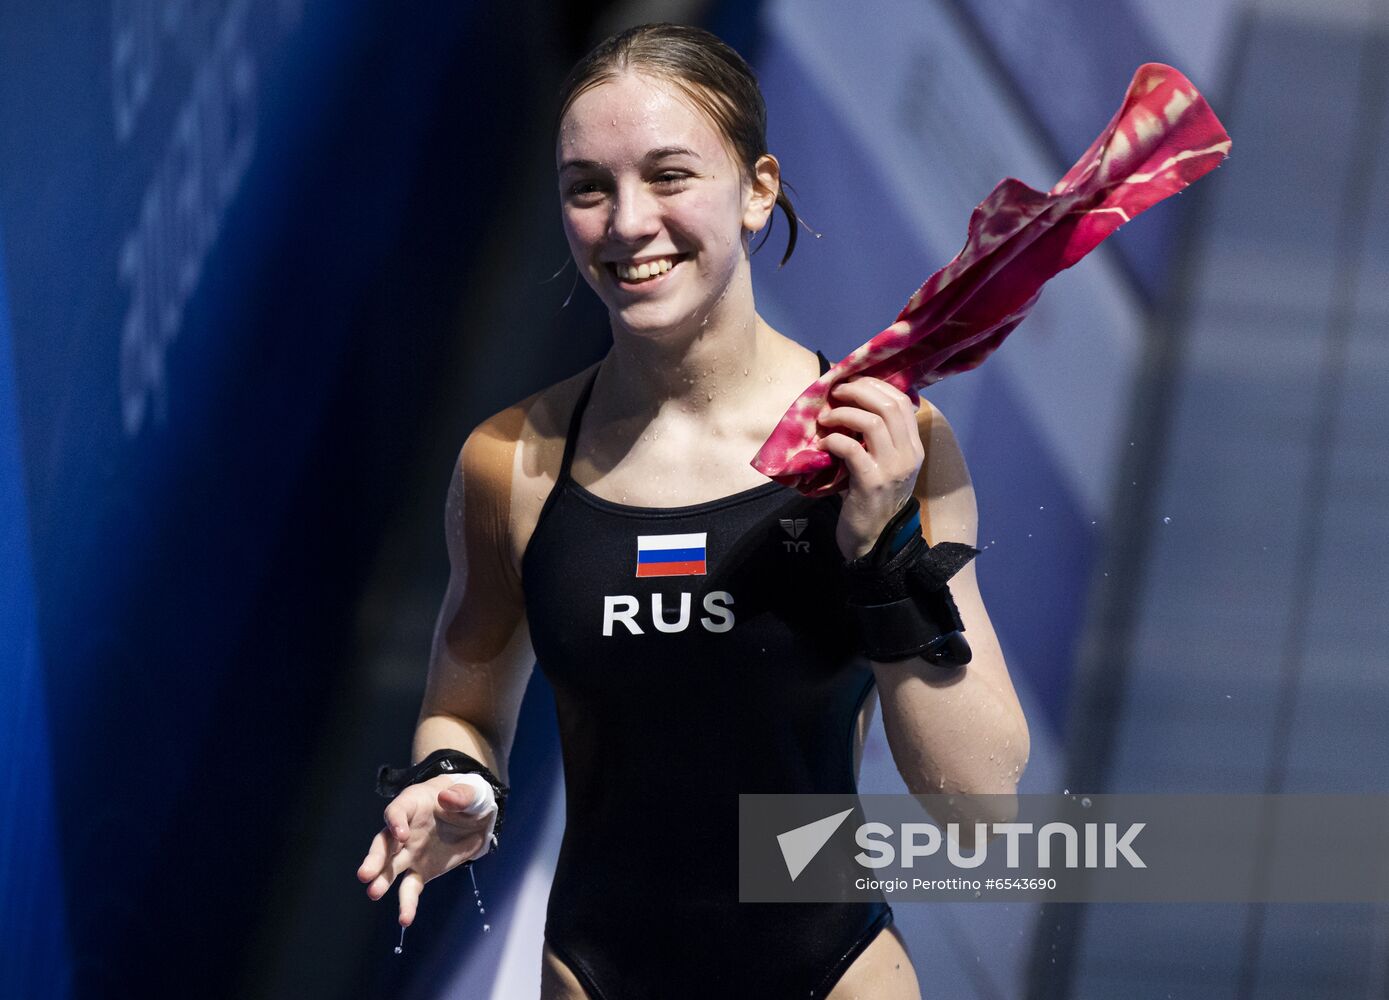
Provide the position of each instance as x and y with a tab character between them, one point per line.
1004	765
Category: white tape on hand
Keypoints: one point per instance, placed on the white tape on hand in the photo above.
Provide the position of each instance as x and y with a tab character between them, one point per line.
486	800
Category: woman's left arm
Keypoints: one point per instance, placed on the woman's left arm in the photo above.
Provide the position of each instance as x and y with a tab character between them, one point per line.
952	730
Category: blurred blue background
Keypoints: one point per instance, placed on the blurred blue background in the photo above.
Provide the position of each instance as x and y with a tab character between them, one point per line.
265	263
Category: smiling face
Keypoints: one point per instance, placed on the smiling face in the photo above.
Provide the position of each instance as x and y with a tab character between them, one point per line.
654	206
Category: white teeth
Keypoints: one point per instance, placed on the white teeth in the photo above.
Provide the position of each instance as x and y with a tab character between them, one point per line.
643	271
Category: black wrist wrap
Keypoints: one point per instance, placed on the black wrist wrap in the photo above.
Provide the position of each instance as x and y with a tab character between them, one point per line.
390	781
900	600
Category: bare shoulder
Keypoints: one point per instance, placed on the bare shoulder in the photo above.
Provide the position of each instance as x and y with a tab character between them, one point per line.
515	456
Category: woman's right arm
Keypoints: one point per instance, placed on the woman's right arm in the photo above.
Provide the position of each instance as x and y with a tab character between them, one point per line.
481	657
480	662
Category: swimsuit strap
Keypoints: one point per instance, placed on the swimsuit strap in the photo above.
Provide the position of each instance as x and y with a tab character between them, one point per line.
571	436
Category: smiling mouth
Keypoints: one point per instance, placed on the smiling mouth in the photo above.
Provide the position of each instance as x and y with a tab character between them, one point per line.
652	272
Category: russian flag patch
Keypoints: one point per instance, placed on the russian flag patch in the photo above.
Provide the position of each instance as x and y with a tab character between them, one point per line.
671	555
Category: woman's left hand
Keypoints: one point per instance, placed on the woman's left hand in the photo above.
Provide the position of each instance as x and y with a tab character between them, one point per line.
883	467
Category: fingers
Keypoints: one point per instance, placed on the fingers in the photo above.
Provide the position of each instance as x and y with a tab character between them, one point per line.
383	858
375	860
410	888
395	864
880	389
399	814
877	436
382	846
860	463
892	406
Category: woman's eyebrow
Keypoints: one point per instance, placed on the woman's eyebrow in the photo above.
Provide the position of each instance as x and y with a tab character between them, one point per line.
662	152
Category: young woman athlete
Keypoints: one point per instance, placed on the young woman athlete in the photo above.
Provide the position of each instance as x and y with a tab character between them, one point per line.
687	611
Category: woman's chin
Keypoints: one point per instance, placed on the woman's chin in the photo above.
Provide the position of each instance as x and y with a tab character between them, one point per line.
653	319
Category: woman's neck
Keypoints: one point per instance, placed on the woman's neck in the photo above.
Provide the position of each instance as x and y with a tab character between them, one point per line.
717	364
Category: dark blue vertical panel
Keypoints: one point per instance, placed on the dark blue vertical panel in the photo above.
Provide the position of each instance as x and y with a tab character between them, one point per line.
220	359
32	919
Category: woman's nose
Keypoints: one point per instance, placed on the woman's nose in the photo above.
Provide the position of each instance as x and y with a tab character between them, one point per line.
634	216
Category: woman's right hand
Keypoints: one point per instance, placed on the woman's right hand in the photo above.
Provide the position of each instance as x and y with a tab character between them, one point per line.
428	831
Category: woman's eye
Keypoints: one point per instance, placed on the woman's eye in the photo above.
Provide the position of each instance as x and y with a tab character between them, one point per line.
584	189
670	178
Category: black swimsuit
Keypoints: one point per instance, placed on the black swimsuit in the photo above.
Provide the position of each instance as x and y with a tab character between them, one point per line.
695	652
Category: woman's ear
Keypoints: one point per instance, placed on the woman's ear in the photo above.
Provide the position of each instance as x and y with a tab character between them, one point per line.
761	199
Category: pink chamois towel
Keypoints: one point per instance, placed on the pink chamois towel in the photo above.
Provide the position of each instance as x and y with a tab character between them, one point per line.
1163	137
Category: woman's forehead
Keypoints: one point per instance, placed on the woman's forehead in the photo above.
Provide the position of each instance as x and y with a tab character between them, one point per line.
629	115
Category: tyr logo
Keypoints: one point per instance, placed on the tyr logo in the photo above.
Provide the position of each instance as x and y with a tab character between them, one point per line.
794	527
